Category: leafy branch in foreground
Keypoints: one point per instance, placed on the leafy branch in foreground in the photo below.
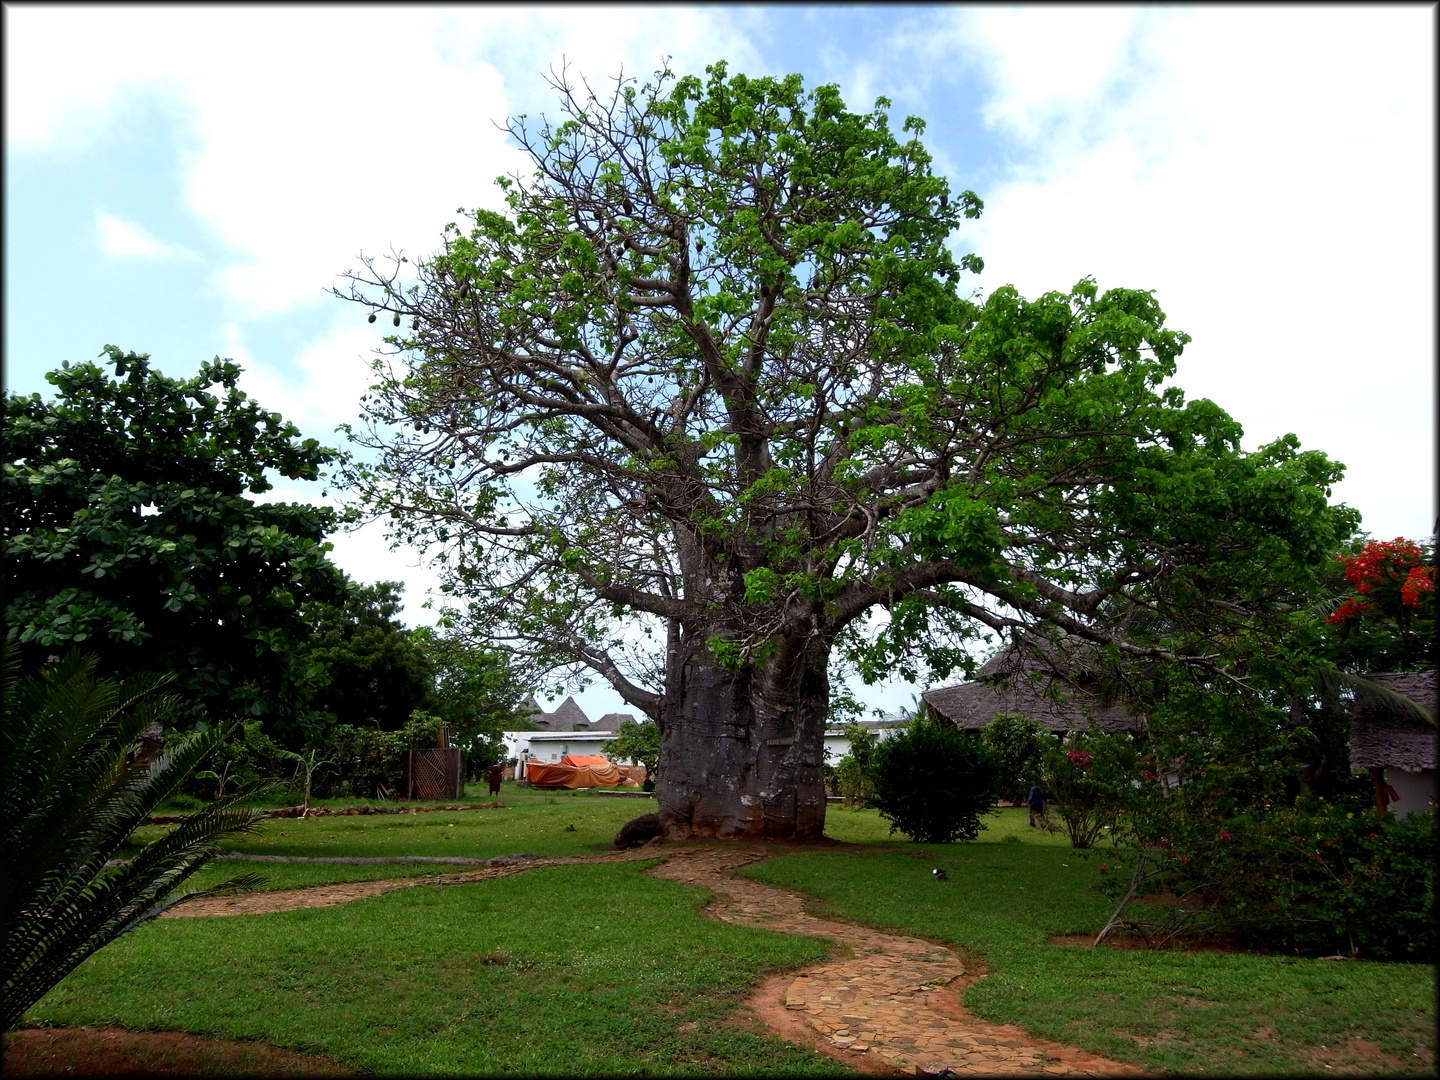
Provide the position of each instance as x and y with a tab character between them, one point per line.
71	797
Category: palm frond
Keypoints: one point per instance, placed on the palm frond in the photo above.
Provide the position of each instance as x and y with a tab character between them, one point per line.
71	799
1331	681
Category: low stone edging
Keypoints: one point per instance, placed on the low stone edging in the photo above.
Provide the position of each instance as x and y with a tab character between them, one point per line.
324	811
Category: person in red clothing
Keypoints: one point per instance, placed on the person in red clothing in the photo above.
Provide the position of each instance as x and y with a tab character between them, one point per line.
496	771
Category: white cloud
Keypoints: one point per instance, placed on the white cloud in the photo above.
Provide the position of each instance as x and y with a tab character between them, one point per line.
1049	65
321	386
1271	175
66	82
309	134
126	240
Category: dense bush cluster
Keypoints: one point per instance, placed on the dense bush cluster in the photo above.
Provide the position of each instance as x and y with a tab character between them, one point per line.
1092	778
1314	878
934	783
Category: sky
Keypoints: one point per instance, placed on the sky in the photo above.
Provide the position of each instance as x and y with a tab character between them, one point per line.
190	181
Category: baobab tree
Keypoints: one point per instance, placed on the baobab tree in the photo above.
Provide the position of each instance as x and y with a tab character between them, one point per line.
712	382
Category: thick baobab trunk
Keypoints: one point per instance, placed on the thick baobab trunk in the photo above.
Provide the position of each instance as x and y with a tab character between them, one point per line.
741	752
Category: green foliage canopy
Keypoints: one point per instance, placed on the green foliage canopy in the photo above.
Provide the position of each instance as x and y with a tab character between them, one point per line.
476	689
934	783
710	372
378	672
127	527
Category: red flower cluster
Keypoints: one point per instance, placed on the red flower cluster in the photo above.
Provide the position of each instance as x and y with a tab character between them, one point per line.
1390	574
1079	758
1420	579
1349	610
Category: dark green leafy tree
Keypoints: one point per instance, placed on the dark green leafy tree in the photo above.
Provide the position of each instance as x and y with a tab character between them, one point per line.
70	798
378	672
129	528
1020	742
934	783
709	394
475	688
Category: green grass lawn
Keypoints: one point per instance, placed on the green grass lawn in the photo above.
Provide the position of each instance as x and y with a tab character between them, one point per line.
561	971
1190	1012
531	820
600	970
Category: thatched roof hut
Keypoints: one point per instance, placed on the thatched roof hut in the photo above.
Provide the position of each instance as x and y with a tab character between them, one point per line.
568	716
1386	737
1017	679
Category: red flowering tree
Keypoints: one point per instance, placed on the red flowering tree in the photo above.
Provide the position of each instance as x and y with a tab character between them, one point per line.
1388	624
1090	777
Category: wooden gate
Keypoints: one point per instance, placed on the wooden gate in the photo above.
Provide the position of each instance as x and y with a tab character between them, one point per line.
435	773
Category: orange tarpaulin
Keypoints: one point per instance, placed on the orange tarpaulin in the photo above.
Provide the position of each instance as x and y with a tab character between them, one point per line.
574	771
584	759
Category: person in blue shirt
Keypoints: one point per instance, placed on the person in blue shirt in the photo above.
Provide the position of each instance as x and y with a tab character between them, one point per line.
1035	800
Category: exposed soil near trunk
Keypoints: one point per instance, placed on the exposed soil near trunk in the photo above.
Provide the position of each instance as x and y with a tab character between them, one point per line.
117	1052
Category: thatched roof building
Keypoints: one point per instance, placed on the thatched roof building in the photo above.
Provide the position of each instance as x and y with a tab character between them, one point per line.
1386	737
1017	680
567	717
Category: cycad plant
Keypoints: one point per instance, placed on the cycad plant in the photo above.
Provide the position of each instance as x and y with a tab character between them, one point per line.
71	796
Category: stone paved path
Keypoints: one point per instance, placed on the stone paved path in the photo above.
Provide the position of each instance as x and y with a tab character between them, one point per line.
880	1002
877	1002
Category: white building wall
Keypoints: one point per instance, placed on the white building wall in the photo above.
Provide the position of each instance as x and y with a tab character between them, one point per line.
553	745
1416	790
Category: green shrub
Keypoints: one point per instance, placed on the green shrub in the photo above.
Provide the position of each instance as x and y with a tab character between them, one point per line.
367	758
934	783
1020	742
855	775
1339	882
248	755
1312	878
1091	778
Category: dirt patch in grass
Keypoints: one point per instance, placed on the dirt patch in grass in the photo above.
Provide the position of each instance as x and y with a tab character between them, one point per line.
117	1052
1216	943
1357	1057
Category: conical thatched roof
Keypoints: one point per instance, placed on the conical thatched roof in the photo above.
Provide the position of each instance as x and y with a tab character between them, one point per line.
564	718
612	721
1387	737
1016	680
567	716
